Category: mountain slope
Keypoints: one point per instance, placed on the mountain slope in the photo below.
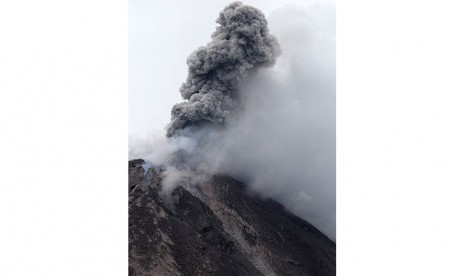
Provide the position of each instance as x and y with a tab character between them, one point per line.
218	228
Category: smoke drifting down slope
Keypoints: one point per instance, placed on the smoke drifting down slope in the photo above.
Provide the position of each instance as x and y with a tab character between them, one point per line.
220	229
270	127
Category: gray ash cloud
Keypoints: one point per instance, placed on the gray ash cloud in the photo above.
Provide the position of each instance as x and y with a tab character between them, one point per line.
240	44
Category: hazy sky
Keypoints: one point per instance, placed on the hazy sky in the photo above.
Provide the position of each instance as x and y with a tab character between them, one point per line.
161	36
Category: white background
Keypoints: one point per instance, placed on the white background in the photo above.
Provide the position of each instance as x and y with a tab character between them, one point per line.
400	137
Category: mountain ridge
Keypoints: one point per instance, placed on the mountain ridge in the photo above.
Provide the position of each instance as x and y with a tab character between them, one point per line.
218	228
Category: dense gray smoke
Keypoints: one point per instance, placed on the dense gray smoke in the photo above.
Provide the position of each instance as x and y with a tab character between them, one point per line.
240	43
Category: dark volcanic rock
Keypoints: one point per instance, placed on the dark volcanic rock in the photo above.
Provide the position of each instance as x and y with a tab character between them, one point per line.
218	228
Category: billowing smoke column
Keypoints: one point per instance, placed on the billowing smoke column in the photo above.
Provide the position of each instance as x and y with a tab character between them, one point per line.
241	43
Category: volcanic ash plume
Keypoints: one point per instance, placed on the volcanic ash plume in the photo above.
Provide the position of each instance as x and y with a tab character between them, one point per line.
241	43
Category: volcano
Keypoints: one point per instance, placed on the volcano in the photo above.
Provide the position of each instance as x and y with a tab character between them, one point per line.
218	227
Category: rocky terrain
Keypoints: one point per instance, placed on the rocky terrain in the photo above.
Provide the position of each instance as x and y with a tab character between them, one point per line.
218	228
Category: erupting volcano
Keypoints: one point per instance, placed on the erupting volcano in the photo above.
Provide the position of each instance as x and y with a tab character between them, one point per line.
201	205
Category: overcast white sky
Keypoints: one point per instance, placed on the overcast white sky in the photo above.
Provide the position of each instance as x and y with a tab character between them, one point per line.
161	36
